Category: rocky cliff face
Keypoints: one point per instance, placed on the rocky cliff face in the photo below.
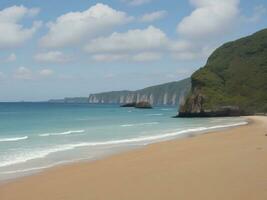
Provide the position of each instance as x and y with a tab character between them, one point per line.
233	82
194	107
194	103
165	94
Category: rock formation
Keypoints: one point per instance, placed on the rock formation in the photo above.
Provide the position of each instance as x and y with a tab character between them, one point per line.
233	82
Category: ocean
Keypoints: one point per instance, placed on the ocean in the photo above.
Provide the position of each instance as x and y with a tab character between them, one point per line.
35	136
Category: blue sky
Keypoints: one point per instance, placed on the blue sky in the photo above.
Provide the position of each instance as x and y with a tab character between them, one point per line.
56	49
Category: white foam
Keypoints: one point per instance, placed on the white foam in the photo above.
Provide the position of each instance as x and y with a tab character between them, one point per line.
156	114
39	168
140	124
13	139
24	157
127	125
172	134
61	133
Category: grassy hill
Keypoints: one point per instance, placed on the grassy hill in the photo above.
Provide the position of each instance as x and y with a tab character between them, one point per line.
234	78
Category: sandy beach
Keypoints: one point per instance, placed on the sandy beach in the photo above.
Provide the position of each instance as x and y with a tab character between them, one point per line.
224	165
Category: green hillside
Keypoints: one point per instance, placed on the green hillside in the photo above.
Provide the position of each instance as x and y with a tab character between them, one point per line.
235	77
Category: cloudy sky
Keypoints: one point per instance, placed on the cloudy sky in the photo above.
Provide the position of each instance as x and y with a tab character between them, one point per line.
53	49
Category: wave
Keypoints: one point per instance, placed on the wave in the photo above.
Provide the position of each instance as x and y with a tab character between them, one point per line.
24	157
40	168
139	124
156	114
61	133
14	139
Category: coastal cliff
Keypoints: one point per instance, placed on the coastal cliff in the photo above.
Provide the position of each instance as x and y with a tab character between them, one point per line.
166	94
233	82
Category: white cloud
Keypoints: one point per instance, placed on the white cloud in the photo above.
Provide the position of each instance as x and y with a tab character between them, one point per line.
11	58
182	45
202	52
108	57
145	45
147	56
133	45
136	57
23	73
132	41
190	50
52	57
258	13
46	72
12	32
74	27
137	2
16	13
157	15
203	30
210	18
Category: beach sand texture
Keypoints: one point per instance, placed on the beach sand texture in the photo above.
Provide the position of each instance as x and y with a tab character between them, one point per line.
224	165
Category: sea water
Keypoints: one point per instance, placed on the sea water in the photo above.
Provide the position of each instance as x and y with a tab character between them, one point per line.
35	136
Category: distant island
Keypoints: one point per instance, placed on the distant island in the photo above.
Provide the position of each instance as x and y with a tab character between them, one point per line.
70	100
233	82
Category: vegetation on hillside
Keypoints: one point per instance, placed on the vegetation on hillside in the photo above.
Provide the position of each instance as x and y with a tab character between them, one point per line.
235	75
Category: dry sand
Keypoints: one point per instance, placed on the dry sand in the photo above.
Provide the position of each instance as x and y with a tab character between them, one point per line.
226	165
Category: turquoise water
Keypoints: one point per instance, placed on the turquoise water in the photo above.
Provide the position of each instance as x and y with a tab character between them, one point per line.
34	136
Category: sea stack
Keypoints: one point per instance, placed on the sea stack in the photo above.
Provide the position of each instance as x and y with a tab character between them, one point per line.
141	105
133	104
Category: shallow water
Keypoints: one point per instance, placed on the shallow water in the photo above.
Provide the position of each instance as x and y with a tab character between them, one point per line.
34	136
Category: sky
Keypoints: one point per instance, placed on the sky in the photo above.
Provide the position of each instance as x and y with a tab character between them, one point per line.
55	49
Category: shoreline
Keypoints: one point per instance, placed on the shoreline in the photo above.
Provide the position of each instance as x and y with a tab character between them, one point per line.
155	170
187	133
